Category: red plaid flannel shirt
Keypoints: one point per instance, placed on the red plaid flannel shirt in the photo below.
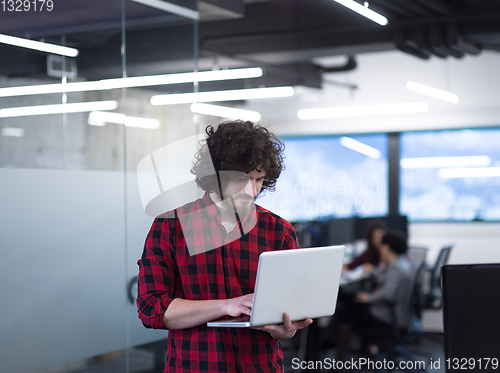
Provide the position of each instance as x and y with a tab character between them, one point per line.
167	271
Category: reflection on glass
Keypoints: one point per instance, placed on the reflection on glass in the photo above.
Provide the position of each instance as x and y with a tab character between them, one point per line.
451	175
333	176
73	167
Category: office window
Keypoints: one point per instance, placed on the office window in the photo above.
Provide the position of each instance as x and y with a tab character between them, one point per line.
332	176
450	175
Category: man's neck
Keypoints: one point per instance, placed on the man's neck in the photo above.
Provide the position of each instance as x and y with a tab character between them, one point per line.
225	215
391	257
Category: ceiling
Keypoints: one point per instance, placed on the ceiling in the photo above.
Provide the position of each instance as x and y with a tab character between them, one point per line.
285	37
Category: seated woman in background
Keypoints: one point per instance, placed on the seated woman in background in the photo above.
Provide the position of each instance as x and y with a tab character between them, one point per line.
370	257
367	309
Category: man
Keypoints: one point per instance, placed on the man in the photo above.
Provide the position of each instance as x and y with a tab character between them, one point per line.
200	260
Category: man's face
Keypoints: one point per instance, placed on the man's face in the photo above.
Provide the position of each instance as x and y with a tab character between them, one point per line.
243	188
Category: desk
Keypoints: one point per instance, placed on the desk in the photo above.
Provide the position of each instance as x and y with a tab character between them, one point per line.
353	281
354	275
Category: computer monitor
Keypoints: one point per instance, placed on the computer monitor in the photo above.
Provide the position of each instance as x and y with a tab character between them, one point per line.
341	231
471	315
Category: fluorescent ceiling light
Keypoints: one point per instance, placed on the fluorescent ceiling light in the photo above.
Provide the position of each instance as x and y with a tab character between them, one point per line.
440	162
448	173
360	111
360	147
12	132
139	81
38	45
100	118
230	95
364	11
225	112
432	92
171	8
57	109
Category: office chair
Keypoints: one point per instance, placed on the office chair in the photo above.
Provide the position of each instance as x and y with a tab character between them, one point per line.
417	254
434	298
392	338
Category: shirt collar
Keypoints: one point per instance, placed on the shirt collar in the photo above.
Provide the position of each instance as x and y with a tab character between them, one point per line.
212	210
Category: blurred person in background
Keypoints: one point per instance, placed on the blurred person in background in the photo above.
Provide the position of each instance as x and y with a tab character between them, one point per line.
373	308
370	257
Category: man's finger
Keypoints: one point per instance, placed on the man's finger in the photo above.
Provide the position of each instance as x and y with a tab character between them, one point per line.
265	328
303	323
287	322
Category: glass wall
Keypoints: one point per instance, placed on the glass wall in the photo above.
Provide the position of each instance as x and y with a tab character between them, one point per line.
451	175
149	130
333	176
73	223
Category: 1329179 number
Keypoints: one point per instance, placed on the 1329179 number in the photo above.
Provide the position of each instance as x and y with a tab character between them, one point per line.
27	5
471	364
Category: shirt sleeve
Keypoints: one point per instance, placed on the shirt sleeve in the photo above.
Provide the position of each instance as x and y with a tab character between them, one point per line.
290	238
388	290
157	276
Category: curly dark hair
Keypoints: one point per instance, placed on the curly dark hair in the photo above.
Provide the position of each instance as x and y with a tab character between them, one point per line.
237	145
396	241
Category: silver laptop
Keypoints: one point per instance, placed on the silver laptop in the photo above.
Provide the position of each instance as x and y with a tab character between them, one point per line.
303	283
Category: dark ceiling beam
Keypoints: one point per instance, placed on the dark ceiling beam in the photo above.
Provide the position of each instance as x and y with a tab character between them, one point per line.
415	7
407	44
440	40
468	47
458	43
290	25
296	29
349	65
439	43
304	73
438	6
436	42
286	41
395	8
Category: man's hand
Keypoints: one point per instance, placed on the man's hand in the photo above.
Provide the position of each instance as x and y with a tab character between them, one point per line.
362	297
240	305
287	329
